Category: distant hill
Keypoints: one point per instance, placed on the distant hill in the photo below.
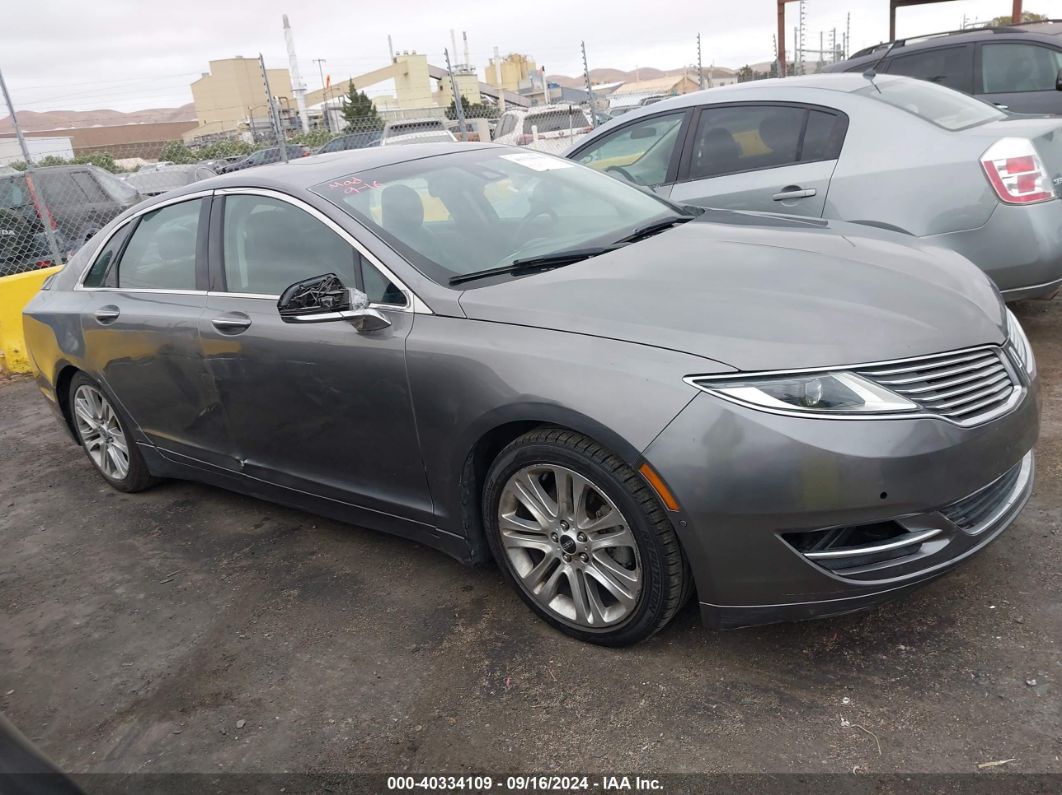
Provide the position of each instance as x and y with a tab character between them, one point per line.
33	121
606	75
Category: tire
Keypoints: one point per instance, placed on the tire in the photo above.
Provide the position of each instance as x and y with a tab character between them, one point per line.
103	431
617	584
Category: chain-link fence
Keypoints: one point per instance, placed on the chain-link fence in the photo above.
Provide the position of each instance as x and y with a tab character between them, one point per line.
50	206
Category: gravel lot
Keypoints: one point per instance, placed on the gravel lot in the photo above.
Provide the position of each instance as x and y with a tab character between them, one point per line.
189	629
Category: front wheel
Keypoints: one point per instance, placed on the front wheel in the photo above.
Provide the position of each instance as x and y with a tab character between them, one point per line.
583	538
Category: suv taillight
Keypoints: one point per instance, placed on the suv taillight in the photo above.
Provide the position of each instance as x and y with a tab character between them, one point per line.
1016	173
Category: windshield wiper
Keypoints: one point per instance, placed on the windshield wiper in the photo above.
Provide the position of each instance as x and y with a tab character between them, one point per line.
651	229
557	259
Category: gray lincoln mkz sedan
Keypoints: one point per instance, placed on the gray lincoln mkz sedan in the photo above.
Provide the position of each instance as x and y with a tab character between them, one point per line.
504	354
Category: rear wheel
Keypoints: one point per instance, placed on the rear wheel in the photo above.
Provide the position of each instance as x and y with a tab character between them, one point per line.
104	435
583	539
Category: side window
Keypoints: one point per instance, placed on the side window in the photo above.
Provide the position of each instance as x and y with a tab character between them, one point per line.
160	254
59	189
89	187
745	137
948	66
100	274
506	125
639	153
823	136
1019	67
270	244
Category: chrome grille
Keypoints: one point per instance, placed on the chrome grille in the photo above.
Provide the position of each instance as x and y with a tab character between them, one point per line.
964	386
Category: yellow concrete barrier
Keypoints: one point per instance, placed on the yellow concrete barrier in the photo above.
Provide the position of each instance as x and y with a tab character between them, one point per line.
15	292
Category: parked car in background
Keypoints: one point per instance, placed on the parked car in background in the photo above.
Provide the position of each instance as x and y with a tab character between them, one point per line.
498	352
892	152
165	178
1017	67
358	140
425	137
410	127
219	164
547	123
270	155
77	201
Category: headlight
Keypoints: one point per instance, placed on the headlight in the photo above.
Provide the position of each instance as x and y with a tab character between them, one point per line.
809	393
1019	344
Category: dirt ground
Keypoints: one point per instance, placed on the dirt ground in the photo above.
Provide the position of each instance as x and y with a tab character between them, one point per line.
189	629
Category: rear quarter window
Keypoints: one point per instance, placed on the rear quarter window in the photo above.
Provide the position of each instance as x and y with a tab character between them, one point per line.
948	109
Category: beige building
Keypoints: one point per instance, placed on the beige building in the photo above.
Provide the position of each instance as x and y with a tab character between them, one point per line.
511	72
232	92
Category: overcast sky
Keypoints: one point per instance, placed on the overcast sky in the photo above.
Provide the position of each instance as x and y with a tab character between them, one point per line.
132	54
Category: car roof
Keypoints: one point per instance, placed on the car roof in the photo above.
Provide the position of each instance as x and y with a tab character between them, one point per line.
305	172
1045	32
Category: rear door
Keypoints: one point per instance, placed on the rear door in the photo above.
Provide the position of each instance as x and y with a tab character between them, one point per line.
766	157
143	296
1020	76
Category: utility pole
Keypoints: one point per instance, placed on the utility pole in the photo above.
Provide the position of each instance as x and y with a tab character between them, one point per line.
498	81
46	219
847	33
273	111
458	104
324	92
589	88
700	69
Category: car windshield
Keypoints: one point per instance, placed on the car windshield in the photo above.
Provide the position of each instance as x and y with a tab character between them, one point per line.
942	106
459	213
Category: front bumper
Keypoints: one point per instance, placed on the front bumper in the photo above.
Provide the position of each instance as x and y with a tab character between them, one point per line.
748	483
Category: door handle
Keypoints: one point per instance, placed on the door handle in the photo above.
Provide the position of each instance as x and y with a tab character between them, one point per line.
793	192
232	323
107	314
1001	106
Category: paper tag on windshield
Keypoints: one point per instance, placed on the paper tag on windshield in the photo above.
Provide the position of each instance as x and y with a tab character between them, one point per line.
537	162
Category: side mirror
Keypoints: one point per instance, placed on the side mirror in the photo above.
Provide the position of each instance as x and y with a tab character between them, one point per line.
322	299
1058	81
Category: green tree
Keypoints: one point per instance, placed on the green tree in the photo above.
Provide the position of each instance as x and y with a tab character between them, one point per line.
313	138
103	160
177	152
358	111
745	74
52	160
472	110
1026	16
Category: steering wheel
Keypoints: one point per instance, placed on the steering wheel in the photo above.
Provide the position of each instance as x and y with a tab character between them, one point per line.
525	224
623	173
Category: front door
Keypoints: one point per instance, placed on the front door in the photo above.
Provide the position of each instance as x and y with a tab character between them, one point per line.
315	407
761	157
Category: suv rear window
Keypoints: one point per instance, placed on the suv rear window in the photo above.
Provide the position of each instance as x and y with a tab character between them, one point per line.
941	106
555	120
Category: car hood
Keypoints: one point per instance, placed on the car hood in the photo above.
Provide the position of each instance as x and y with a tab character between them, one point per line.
762	292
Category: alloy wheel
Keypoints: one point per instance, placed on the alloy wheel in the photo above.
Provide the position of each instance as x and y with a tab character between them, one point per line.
101	432
571	548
